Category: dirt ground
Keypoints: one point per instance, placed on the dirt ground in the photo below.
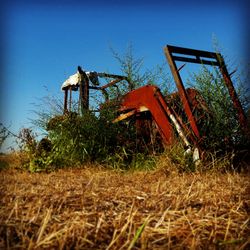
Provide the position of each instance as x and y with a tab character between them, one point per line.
96	208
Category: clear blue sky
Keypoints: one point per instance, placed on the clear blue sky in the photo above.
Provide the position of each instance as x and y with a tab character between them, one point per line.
43	43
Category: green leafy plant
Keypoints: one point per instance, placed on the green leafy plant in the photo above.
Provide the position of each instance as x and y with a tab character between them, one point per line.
222	131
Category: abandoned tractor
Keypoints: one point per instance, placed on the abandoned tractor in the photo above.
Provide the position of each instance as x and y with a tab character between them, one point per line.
148	104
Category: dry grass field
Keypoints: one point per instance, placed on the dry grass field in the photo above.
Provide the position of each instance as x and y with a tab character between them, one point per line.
96	208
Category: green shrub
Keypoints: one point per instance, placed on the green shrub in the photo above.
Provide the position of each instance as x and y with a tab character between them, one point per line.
79	139
222	132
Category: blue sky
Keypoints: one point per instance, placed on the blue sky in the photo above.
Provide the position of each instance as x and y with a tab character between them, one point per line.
43	43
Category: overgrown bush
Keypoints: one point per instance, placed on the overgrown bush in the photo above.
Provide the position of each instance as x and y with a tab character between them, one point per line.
78	139
222	131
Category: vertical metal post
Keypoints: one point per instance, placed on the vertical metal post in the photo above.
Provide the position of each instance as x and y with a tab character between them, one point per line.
182	92
65	108
86	92
232	92
70	98
83	91
81	106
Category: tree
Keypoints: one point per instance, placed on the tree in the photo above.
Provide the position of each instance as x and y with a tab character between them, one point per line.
133	68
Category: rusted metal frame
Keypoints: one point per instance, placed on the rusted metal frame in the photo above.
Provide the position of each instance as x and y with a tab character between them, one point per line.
65	107
195	60
198	54
111	83
223	69
116	77
191	52
183	95
232	92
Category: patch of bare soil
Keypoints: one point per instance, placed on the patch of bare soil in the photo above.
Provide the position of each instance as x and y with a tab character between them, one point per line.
95	208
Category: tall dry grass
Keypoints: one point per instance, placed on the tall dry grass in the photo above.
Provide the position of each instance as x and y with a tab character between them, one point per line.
96	208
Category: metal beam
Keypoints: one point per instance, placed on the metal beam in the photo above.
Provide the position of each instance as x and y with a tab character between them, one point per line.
191	52
195	60
65	108
182	91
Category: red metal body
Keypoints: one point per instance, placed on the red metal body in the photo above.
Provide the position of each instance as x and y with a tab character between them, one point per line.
149	98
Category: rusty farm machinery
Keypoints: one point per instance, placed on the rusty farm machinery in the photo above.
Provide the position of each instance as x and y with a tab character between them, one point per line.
147	103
